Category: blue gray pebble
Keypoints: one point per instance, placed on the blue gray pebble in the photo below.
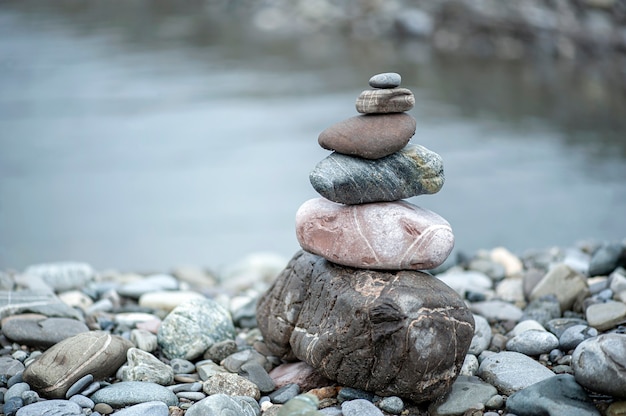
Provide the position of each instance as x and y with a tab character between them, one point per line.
51	407
285	393
576	334
16	390
533	342
82	401
385	80
127	393
79	385
393	405
221	404
349	393
360	407
12	405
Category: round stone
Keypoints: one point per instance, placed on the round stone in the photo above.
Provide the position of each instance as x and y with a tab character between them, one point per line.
574	335
388	100
533	342
598	364
392	404
385	80
371	136
344	322
360	407
390	236
413	171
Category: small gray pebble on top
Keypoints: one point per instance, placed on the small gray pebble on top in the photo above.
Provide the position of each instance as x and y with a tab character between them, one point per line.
385	80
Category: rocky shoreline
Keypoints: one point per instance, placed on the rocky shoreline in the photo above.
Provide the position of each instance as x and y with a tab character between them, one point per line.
549	338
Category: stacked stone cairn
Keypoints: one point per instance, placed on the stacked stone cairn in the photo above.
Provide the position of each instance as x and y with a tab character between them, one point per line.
356	304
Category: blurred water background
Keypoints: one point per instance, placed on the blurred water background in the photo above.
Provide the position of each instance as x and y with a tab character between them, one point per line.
147	135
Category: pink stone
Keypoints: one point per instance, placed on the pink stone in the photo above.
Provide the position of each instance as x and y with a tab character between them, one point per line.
382	235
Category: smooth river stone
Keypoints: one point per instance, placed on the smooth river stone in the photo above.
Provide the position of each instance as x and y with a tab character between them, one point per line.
391	100
395	333
370	136
39	330
45	303
598	364
128	393
58	368
412	171
385	80
386	235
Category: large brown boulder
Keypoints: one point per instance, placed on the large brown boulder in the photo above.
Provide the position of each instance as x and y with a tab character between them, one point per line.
401	333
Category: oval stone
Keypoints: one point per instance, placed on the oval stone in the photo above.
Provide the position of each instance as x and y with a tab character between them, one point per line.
394	333
369	136
39	330
385	80
412	171
598	364
128	393
392	100
58	368
385	235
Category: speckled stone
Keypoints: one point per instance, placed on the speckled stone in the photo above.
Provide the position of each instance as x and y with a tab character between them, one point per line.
389	100
390	236
344	322
232	385
371	136
143	366
192	327
222	404
465	394
360	407
410	172
58	368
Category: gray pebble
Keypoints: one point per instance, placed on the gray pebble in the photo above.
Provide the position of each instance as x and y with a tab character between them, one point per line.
90	389
349	393
16	390
10	366
392	404
470	365
511	371
12	406
195	396
533	342
576	334
360	407
466	393
29	397
17	378
385	80
598	364
79	385
285	393
221	404
255	372
559	325
482	336
153	408
129	393
331	411
82	401
51	407
181	366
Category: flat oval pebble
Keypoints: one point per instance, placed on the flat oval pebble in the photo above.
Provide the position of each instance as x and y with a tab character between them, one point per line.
167	299
406	237
533	342
360	407
607	315
148	284
128	393
152	408
39	330
598	364
97	353
391	404
413	171
80	385
51	407
389	100
192	327
224	405
511	371
371	136
574	335
556	396
466	393
385	80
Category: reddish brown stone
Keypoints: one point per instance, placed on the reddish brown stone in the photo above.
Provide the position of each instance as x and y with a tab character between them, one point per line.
385	235
369	136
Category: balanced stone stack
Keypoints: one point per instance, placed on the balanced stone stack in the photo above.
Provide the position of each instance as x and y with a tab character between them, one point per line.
354	304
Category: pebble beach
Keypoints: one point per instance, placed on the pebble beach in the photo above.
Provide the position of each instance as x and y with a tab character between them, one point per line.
549	339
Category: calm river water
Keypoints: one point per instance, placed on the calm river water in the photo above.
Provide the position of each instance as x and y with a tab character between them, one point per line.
144	141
